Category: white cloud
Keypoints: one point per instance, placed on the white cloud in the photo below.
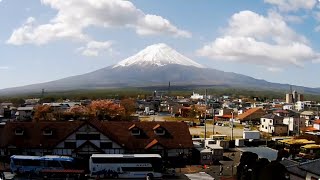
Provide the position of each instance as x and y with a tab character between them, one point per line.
253	38
94	48
293	5
152	24
274	69
74	16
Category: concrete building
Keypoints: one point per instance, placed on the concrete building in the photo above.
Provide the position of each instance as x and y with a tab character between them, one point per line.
289	98
273	124
295	124
299	105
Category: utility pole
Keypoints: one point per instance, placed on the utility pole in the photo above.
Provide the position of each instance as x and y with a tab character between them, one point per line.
205	116
213	119
232	125
299	125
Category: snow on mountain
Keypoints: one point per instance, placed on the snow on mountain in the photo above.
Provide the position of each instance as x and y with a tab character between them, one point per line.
157	55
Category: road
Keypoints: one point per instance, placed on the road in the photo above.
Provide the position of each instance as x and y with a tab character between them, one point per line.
199	130
225	130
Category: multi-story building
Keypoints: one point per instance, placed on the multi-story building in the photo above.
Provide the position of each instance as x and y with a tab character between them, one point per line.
273	124
295	124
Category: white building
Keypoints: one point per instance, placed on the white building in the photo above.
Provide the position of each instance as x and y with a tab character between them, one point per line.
196	96
299	105
294	124
273	124
288	107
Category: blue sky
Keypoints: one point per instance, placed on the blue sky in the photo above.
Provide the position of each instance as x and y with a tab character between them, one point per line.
44	40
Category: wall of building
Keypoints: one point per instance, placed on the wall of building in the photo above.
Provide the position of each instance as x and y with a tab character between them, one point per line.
311	176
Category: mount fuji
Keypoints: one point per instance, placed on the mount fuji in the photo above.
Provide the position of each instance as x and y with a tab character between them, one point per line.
155	65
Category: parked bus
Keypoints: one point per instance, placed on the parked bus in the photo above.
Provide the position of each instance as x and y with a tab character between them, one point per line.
126	165
22	164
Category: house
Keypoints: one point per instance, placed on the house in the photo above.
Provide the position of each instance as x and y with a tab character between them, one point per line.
295	124
288	107
312	169
273	124
308	115
309	170
299	105
295	173
83	138
312	129
24	113
251	115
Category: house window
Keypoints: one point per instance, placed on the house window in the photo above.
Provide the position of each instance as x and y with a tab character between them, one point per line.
70	145
262	126
135	131
270	121
47	132
106	145
159	131
19	132
264	120
88	136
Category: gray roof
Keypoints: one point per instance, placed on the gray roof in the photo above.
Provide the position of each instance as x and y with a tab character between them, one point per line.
293	168
25	108
311	166
262	152
272	116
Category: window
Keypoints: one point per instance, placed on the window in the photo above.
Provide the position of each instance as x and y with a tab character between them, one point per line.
264	120
135	131
159	131
262	126
54	164
106	145
47	132
19	132
129	169
70	145
270	121
88	136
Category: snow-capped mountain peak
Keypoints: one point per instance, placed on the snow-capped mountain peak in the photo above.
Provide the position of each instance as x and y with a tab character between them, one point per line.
157	55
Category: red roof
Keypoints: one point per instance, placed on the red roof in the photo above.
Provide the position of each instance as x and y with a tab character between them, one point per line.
316	121
33	136
253	113
308	129
117	131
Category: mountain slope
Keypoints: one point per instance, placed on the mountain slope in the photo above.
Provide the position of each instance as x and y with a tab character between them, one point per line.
155	65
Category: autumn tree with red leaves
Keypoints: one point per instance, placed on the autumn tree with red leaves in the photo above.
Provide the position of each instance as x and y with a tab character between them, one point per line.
105	109
42	113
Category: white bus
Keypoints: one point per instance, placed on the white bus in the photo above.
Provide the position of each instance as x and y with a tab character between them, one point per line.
126	165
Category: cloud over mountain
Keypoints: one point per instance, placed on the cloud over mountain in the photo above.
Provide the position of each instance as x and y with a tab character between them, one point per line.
261	40
74	16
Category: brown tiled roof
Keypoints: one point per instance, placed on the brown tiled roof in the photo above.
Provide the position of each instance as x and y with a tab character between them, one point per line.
177	134
33	133
252	113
